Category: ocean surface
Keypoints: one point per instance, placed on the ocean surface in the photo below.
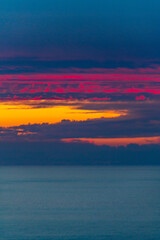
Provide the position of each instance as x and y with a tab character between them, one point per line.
89	203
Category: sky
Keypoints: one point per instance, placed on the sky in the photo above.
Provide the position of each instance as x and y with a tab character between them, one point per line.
79	78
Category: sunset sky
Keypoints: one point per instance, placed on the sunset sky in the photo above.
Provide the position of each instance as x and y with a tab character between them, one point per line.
80	74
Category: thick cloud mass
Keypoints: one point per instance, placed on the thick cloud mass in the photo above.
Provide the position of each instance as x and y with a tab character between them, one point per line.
77	154
86	55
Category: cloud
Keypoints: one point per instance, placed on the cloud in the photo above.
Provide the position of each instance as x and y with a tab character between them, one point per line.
119	84
57	153
141	119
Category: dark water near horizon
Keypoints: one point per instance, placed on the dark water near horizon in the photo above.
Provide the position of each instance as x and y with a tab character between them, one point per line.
89	203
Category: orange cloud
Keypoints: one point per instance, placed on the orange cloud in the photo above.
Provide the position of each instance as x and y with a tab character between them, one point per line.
116	141
21	113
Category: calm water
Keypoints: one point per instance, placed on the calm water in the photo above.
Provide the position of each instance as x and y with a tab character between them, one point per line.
55	203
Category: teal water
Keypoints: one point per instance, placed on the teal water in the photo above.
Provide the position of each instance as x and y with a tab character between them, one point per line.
55	203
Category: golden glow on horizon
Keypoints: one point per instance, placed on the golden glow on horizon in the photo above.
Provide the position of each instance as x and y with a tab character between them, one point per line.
116	141
23	113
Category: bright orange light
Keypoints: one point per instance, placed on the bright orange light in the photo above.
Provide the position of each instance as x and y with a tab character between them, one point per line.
116	141
22	113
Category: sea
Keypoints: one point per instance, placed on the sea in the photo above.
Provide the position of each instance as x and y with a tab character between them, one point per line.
80	203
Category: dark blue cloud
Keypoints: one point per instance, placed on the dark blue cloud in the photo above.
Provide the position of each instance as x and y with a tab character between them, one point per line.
77	154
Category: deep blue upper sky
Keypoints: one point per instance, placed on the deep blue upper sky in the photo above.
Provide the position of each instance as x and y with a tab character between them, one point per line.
83	7
69	29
